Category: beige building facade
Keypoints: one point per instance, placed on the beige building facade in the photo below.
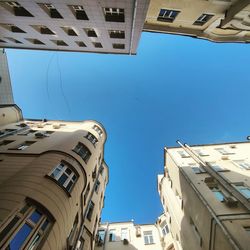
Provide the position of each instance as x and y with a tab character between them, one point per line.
86	26
128	236
52	182
6	94
205	192
214	20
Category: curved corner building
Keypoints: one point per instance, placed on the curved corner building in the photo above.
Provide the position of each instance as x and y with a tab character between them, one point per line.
52	182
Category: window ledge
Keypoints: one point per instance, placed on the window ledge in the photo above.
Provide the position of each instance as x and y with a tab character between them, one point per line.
55	181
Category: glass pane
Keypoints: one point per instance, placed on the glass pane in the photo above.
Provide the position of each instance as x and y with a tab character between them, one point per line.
68	171
56	172
24	209
219	196
34	242
69	185
35	217
45	224
245	192
6	230
62	179
20	237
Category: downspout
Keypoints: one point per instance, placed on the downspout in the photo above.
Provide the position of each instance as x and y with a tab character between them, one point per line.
235	246
133	27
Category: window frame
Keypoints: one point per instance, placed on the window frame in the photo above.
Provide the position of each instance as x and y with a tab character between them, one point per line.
87	152
149	236
168	16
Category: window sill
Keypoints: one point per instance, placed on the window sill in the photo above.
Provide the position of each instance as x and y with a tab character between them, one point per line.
55	181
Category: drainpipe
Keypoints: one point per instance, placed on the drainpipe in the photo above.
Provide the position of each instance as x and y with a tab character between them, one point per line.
222	180
133	27
224	230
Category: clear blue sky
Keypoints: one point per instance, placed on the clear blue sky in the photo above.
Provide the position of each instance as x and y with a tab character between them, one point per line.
174	88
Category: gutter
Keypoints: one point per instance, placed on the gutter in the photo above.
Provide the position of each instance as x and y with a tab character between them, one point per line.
133	27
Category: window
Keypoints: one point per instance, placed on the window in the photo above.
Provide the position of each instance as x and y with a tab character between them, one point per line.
101	235
59	43
201	152
97	186
148	237
118	34
27	132
247	229
82	151
203	19
26	228
2	41
224	151
114	15
35	41
65	176
124	234
12	28
81	44
244	190
5	142
98	130
197	169
90	210
166	15
86	194
73	229
45	30
51	10
197	233
118	46
91	138
18	10
79	12
242	164
112	235
69	31
23	145
164	228
217	193
216	167
13	40
183	154
90	32
97	45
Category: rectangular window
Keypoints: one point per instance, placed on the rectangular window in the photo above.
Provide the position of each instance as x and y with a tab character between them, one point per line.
244	190
79	12
101	236
45	30
86	194
118	46
217	193
18	10
223	151
97	186
97	45
82	151
216	167
112	235
166	15
98	130
114	15
242	164
124	234
148	237
197	169
27	132
26	228
65	176
91	138
183	154
51	10
81	44
201	152
23	145
203	19
90	210
247	229
90	32
5	142
58	43
118	34
164	228
69	31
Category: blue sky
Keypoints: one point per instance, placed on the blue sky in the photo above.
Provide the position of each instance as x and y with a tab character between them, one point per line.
174	88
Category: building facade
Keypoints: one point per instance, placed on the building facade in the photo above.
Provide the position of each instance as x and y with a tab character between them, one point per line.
214	20
128	236
205	192
86	26
52	182
6	94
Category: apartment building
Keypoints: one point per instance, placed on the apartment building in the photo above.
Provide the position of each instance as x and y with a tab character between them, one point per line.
87	26
214	20
6	95
205	192
52	182
128	236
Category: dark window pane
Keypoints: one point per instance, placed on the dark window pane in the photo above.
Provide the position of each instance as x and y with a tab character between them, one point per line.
24	209
6	230
68	171
35	217
62	179
20	237
45	224
69	185
34	241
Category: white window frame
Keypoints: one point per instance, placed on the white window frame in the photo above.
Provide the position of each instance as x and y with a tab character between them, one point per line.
183	154
124	233
148	237
242	164
62	168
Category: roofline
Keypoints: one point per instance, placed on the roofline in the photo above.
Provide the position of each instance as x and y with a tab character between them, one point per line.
209	144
